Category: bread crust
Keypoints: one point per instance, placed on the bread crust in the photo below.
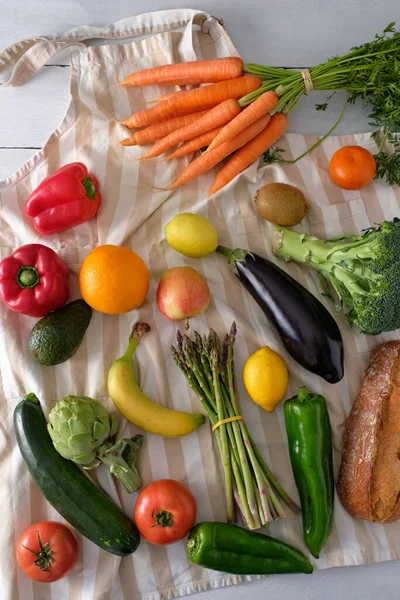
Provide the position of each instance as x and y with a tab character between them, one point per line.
369	477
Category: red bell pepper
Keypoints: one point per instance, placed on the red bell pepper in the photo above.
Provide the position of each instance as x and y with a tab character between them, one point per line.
34	280
63	200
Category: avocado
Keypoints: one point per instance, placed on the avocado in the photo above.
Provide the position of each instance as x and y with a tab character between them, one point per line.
58	335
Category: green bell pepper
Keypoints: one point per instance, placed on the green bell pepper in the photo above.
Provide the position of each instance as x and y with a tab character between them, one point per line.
231	549
310	447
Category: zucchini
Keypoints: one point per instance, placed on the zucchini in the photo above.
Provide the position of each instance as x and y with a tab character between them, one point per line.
67	488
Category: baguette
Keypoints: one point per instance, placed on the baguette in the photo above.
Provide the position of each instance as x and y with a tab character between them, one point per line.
369	477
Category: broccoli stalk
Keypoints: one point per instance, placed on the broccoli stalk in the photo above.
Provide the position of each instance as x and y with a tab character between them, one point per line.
363	271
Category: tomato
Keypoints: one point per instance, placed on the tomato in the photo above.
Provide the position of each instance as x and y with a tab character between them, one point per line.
165	511
47	551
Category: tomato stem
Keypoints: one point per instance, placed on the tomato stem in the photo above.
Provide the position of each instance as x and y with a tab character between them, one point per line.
163	518
44	556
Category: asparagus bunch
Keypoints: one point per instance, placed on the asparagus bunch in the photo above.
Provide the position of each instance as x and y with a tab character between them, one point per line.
209	369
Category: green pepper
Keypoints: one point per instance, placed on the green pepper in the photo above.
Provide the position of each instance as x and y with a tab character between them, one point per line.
231	549
310	447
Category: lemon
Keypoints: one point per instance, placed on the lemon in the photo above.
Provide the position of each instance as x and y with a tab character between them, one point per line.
265	377
191	235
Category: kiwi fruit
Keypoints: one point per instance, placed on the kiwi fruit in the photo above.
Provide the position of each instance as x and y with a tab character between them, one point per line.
281	204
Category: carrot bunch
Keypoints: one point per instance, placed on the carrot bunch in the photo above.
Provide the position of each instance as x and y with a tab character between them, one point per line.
206	116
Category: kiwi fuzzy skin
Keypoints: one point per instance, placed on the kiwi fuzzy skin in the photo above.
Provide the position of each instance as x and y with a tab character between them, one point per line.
281	204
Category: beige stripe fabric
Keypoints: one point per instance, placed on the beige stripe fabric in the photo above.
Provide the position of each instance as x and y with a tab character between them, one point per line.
134	214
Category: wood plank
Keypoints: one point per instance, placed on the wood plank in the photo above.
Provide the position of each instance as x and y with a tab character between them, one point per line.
279	32
12	159
31	112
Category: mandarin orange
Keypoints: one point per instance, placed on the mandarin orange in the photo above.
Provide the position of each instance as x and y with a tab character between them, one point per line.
352	167
113	280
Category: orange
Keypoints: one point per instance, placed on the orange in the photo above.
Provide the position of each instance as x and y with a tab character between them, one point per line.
352	167
113	280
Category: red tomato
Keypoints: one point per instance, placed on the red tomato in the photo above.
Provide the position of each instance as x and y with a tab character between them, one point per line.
165	511
47	551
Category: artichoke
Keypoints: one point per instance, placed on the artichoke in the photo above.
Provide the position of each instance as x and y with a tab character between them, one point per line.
82	430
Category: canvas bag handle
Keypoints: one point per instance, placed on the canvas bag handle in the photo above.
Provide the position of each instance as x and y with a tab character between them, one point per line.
27	57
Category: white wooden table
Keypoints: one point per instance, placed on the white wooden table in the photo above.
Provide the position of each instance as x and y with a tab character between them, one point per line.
296	33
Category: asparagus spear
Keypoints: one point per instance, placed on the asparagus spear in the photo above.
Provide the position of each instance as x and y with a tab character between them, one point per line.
209	369
230	508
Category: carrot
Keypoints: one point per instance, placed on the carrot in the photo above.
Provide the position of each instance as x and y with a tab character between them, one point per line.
170	95
160	130
190	73
201	141
130	123
249	152
177	94
159	99
251	113
199	97
208	160
219	115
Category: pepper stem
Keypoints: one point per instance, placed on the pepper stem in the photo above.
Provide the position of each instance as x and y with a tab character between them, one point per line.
192	546
89	186
303	394
162	518
27	277
44	557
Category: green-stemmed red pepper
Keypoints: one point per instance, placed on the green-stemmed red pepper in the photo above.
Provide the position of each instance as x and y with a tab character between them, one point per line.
34	280
310	447
231	549
63	200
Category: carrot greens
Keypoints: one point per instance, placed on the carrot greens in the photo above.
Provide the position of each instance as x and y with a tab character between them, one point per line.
370	73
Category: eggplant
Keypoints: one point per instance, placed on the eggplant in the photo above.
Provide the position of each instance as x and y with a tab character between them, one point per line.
307	330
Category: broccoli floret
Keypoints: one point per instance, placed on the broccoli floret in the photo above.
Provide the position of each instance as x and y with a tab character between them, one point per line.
363	271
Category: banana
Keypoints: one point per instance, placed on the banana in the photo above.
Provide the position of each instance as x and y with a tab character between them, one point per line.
136	406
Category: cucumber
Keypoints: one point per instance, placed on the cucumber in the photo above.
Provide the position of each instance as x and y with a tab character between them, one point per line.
67	488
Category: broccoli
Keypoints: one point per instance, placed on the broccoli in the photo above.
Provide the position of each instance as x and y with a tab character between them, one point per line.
364	271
